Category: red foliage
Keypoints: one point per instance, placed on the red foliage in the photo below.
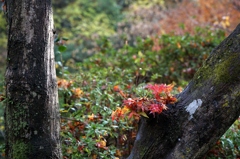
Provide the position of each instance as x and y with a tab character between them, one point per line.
134	107
221	14
155	108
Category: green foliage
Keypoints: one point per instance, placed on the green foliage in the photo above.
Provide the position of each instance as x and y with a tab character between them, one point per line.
165	59
62	48
86	18
86	89
146	3
3	44
84	21
229	144
86	124
99	84
3	30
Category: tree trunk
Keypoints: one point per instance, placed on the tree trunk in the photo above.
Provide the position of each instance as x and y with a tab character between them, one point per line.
205	110
32	120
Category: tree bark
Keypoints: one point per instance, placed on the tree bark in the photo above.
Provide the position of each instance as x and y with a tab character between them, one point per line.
206	108
32	120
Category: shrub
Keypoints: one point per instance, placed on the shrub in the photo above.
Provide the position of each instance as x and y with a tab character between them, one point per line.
101	83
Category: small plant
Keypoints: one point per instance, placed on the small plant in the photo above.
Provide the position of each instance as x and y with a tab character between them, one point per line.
228	146
134	107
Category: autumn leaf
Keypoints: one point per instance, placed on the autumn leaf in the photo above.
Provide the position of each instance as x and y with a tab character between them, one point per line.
136	107
117	114
77	92
157	88
179	45
91	117
102	144
155	108
116	88
62	83
118	153
143	114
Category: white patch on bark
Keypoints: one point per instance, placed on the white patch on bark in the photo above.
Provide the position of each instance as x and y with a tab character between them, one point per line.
28	16
34	63
27	135
192	107
32	16
34	94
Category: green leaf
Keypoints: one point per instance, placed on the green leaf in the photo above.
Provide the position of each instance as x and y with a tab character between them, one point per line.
62	48
143	114
63	111
56	39
64	38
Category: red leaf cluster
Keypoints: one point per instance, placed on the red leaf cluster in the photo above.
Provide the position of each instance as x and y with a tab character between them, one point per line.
134	107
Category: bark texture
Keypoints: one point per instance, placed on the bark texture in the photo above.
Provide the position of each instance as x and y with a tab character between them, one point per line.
205	110
31	113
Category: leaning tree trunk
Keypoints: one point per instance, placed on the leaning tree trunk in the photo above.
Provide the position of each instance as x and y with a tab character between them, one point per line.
205	110
31	115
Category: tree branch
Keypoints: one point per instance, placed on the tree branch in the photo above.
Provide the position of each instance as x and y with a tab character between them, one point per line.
205	109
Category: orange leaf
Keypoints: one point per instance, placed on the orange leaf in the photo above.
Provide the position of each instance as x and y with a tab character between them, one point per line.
116	88
179	45
77	92
91	117
118	153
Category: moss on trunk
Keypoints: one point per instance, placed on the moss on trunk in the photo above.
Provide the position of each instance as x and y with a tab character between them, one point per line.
32	121
214	93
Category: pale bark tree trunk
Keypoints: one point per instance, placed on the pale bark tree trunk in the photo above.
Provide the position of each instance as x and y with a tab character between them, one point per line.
205	110
32	118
